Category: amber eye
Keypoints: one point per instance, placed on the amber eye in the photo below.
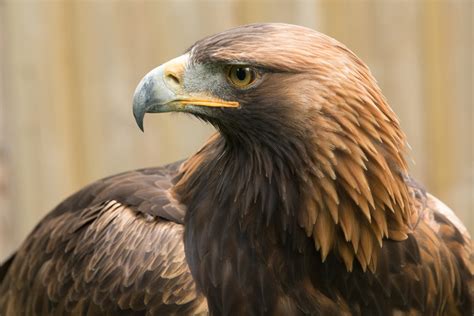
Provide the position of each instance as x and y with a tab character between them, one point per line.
241	76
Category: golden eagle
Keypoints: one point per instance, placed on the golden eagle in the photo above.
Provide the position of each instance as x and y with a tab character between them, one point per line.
300	203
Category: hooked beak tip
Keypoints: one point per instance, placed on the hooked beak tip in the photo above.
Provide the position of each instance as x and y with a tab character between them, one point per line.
139	115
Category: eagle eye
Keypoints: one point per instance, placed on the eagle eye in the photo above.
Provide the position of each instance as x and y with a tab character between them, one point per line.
241	76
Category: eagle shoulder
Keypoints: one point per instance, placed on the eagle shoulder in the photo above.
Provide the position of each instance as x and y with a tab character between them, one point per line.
114	247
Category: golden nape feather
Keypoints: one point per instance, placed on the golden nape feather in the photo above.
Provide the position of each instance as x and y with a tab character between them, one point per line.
300	204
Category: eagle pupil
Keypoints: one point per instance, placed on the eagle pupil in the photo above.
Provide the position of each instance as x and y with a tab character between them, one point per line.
241	73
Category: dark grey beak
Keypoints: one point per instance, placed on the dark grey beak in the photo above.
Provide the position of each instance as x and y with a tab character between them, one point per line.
152	95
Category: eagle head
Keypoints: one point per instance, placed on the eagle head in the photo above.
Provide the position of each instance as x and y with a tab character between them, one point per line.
260	78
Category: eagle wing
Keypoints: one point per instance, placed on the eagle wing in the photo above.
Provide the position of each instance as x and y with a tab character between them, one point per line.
113	248
429	273
432	270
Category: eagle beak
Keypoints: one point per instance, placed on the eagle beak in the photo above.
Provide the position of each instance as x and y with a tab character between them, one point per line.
162	90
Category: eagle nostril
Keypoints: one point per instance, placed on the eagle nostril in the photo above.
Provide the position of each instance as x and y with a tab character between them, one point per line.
173	78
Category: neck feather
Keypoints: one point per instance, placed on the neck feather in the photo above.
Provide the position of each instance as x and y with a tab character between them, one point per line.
343	187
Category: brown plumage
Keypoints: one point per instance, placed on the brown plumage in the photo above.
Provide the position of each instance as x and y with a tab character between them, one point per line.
300	204
113	248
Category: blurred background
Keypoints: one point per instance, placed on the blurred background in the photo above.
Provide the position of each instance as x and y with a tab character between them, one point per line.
69	69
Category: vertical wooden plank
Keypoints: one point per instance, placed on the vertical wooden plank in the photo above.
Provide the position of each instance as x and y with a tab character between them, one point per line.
435	55
399	73
457	80
262	11
352	23
5	217
302	12
37	96
447	47
19	148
